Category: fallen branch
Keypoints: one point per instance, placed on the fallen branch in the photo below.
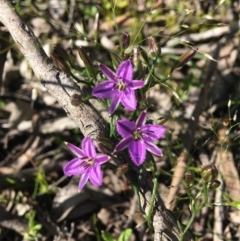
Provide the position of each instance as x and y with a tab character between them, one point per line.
58	83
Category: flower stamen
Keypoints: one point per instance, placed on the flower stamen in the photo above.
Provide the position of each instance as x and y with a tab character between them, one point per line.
121	86
87	163
137	135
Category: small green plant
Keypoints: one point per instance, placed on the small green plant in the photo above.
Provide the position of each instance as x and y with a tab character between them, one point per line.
124	236
41	184
33	227
198	194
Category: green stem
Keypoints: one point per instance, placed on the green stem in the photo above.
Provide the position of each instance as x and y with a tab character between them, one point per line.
111	121
151	71
195	211
149	215
79	80
136	189
154	192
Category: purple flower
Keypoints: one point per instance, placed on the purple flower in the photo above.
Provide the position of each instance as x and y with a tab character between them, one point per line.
139	138
87	163
119	87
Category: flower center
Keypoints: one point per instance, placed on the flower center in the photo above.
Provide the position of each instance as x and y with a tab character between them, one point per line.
88	163
137	135
121	86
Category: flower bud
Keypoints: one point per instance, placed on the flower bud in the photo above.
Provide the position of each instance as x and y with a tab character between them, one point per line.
59	63
226	122
136	58
62	53
105	145
122	169
76	100
183	59
161	120
95	27
189	178
215	184
154	51
137	61
125	41
143	55
86	60
209	173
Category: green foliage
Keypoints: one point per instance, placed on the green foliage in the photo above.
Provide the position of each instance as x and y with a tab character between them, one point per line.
2	104
34	227
41	184
124	236
235	204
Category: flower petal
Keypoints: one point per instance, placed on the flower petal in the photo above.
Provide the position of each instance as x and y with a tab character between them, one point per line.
83	180
105	90
88	147
107	72
128	99
141	119
136	84
153	149
125	127
114	104
151	132
123	143
125	71
137	151
101	158
96	175
75	150
73	167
